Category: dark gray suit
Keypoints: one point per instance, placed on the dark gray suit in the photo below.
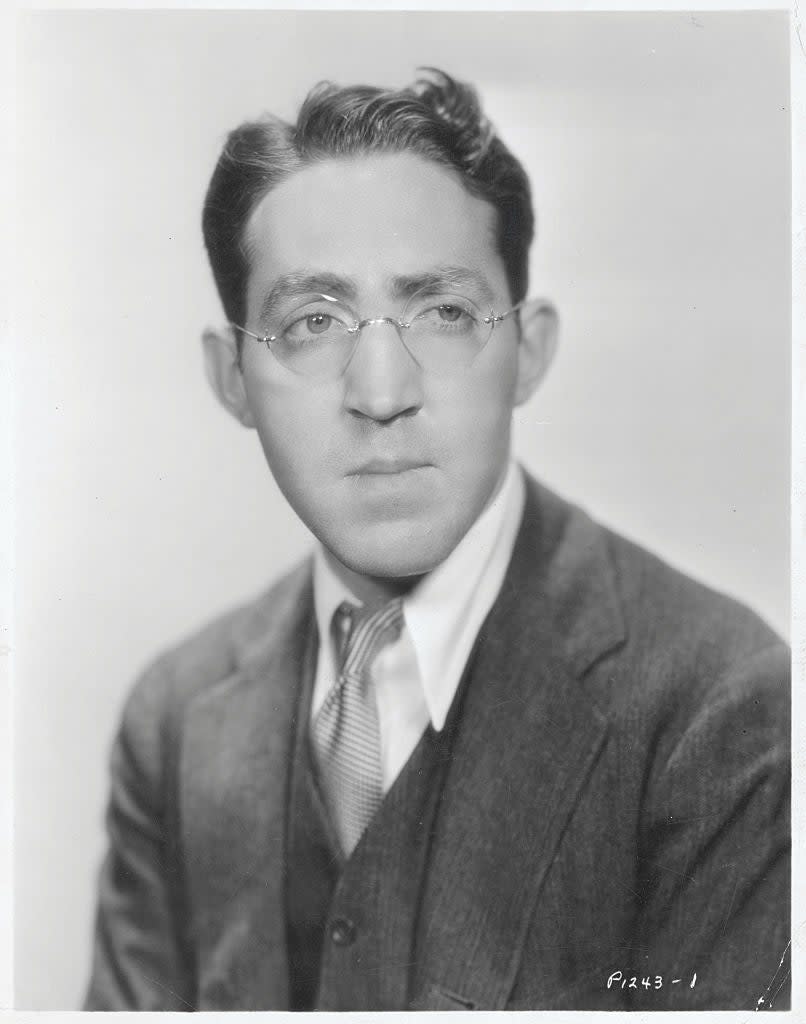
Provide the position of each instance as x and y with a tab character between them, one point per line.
617	799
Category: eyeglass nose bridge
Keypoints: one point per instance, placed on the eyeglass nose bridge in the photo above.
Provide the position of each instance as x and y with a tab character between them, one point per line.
398	324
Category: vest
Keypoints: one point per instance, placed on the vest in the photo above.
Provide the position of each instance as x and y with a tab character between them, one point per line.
340	914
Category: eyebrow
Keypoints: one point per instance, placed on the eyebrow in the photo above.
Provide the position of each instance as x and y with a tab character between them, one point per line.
437	279
402	286
299	283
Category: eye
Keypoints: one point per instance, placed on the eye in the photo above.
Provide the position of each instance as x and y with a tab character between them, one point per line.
318	323
450	314
442	314
314	322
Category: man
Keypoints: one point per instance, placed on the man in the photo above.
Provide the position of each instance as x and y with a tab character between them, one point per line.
478	752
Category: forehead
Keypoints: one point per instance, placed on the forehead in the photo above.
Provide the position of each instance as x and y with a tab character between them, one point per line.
371	218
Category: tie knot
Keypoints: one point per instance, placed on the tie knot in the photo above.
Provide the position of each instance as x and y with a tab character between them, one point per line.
360	633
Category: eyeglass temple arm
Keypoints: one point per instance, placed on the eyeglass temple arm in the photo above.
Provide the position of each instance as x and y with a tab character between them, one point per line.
265	338
496	318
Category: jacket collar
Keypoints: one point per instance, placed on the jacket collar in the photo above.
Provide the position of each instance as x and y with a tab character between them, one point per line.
529	733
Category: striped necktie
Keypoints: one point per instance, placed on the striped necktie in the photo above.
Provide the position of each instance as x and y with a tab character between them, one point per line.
346	736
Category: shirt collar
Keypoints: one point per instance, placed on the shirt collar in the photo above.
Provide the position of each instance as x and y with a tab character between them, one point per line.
445	611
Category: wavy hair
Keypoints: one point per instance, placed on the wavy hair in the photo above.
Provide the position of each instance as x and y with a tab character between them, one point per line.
437	118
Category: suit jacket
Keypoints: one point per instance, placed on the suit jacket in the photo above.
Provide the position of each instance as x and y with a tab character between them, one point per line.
614	819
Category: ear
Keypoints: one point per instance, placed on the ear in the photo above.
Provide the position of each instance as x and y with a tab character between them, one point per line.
538	343
223	368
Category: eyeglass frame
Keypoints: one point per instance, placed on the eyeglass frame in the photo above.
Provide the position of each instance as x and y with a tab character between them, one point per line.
358	326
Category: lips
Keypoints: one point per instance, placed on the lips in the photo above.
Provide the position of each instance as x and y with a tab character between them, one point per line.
388	466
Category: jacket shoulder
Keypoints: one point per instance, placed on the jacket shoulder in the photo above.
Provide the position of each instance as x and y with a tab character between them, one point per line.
210	655
692	656
673	633
665	604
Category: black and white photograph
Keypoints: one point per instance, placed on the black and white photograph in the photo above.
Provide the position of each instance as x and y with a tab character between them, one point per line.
402	612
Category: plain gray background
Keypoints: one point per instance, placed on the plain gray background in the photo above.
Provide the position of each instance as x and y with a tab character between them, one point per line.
658	150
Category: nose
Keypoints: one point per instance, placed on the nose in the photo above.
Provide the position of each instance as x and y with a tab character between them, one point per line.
382	381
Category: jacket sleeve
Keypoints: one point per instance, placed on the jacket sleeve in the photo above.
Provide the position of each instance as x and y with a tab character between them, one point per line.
714	850
138	958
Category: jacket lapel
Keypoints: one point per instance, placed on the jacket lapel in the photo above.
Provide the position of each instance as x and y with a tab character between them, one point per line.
527	739
236	747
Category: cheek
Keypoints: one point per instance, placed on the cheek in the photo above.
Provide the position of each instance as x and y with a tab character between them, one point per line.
294	425
480	411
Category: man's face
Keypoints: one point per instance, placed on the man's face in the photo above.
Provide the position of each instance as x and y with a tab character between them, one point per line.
388	464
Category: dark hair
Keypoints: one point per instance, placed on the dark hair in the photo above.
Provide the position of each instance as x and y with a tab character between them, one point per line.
437	117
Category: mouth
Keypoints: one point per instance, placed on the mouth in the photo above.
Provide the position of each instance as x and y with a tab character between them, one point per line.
388	466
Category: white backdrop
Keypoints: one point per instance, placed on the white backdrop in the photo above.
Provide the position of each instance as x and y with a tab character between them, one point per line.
658	151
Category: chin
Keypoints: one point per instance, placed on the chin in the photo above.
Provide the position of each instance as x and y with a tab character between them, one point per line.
396	554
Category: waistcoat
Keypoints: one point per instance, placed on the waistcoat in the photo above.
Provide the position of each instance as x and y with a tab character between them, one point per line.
351	924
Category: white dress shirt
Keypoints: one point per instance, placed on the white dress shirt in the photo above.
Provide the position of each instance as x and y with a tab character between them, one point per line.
416	677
